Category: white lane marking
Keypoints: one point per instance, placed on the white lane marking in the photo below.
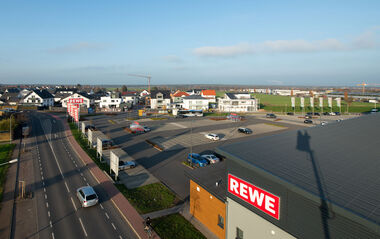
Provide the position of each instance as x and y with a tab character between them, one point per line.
52	150
81	174
113	226
120	237
42	177
45	196
84	179
47	204
67	187
52	235
84	230
101	206
108	217
72	200
51	224
49	213
179	125
88	184
45	190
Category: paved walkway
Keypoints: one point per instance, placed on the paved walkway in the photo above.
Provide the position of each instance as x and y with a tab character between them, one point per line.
128	212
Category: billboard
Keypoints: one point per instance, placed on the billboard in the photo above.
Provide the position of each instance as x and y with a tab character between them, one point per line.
329	100
338	102
302	102
312	102
114	163
293	101
76	100
321	102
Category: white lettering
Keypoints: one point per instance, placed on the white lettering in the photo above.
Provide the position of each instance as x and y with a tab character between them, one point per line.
254	196
234	186
243	190
269	206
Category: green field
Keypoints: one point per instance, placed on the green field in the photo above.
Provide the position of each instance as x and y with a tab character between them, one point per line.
278	103
5	155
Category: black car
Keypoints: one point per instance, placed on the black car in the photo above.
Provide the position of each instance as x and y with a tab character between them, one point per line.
271	116
245	130
290	113
309	113
337	113
326	113
307	121
317	114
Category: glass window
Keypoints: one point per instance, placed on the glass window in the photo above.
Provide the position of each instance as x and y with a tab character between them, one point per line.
239	233
220	221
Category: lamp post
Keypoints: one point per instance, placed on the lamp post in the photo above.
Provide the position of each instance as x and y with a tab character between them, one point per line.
9	162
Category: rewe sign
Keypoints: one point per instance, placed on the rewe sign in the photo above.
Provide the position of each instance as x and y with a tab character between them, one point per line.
76	100
259	198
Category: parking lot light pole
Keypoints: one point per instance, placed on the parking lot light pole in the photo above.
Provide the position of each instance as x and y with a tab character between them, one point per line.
9	162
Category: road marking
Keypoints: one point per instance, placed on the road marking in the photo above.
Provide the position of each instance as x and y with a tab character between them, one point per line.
42	177
52	150
179	125
45	196
101	206
84	179
120	237
72	200
49	213
113	226
67	187
45	190
88	184
108	217
84	230
52	235
51	224
47	204
81	174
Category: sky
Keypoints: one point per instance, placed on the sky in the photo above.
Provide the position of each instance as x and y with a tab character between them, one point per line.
281	43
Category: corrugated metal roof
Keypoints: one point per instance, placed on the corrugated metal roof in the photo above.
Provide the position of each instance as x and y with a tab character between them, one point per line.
345	156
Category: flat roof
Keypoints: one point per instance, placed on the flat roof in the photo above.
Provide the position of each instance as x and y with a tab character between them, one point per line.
344	156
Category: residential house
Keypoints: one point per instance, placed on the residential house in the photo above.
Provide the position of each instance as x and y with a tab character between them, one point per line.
144	93
237	102
88	100
110	103
160	99
195	102
209	94
130	97
39	98
177	97
10	98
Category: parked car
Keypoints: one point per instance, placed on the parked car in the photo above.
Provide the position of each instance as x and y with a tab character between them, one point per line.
309	113
374	111
87	196
107	143
271	116
307	121
126	165
196	159
332	113
212	136
337	113
323	123
308	117
211	158
146	129
290	113
245	130
326	113
317	114
181	116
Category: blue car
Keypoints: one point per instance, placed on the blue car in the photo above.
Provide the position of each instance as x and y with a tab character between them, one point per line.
196	159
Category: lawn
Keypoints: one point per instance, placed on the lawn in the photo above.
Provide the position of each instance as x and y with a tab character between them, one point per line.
5	155
278	103
149	198
175	227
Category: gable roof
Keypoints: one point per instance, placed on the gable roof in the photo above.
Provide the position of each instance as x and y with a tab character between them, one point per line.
44	94
180	94
129	93
166	94
346	154
209	92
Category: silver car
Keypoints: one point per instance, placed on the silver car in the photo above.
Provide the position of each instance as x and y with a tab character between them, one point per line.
87	196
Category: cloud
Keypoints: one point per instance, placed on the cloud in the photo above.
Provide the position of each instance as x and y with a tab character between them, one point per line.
173	59
366	40
77	47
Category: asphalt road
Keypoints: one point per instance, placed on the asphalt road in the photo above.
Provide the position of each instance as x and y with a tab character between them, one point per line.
167	165
58	173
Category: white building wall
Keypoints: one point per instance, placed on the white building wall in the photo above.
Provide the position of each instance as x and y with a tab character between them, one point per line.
237	105
154	104
252	225
86	101
108	102
196	104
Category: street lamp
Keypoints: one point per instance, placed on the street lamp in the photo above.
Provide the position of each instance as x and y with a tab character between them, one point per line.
9	162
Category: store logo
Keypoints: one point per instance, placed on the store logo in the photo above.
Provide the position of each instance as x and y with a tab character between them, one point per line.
259	198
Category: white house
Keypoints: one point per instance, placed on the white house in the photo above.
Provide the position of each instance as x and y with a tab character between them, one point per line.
209	94
87	100
144	93
109	102
195	102
130	97
160	99
39	98
237	102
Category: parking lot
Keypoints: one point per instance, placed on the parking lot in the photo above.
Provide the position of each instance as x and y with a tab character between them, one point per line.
177	135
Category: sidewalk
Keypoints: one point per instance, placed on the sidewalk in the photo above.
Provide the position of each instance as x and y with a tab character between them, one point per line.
129	213
7	203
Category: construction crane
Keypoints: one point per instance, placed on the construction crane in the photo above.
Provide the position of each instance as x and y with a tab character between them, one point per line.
143	76
363	84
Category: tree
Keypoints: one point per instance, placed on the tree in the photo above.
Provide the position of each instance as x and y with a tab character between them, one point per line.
79	86
124	88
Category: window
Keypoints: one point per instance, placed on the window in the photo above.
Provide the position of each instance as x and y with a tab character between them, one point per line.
235	103
220	221
239	233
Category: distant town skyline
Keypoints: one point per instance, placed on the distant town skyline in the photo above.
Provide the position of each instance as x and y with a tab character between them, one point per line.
308	43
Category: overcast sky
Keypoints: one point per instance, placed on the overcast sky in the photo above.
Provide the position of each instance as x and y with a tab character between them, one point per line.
190	42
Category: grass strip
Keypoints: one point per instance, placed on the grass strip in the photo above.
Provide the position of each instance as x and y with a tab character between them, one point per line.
5	155
149	198
175	226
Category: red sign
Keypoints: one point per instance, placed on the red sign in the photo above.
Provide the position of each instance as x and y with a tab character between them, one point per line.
76	100
76	114
259	198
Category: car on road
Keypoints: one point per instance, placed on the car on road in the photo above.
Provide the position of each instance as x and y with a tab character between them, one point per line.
211	158
196	159
123	165
308	117
290	113
245	130
374	110
87	196
307	121
212	136
146	129
323	123
273	116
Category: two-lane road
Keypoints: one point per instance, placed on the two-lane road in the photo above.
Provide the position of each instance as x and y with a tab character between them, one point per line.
60	173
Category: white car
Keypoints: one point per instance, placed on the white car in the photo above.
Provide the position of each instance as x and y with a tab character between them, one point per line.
212	136
126	164
211	158
323	123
